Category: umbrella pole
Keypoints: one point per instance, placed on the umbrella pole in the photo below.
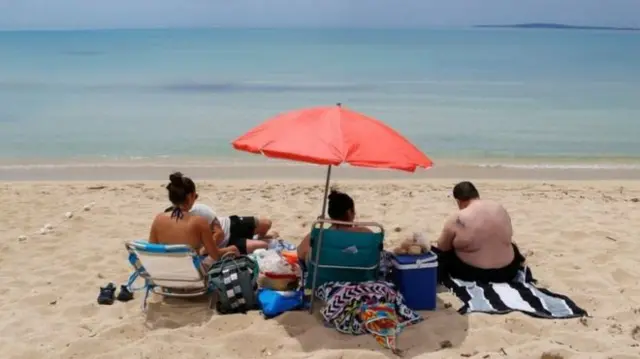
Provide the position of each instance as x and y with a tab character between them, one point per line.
316	248
326	192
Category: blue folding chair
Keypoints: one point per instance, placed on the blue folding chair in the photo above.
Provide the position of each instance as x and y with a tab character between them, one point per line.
168	270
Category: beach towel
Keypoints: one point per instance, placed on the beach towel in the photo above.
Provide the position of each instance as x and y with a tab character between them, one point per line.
382	322
368	307
521	294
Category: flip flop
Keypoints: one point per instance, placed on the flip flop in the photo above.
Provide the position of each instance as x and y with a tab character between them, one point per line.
107	294
125	295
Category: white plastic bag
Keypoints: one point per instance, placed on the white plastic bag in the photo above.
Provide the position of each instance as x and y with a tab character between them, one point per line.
421	240
415	245
270	261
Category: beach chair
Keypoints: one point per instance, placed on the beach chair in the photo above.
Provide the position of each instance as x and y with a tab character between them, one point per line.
342	256
168	270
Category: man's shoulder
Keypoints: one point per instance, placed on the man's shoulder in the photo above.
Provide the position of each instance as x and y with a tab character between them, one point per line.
495	205
483	204
201	207
202	210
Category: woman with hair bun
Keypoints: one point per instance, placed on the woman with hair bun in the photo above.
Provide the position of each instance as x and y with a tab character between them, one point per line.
177	226
341	208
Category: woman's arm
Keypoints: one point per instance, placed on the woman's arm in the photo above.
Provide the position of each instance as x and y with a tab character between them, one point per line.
153	232
448	234
303	248
218	233
230	249
206	238
218	238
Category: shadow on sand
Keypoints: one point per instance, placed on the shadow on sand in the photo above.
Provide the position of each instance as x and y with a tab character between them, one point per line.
442	328
172	313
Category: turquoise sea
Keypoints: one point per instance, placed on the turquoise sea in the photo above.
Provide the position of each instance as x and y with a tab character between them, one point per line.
475	95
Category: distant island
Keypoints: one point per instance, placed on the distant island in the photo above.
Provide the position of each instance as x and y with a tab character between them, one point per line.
559	26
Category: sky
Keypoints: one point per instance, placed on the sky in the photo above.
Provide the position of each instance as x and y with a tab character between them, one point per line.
74	14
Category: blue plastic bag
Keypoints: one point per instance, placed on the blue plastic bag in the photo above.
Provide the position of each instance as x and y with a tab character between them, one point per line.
274	303
280	245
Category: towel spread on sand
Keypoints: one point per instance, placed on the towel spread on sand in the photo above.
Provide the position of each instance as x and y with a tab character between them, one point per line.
369	307
521	294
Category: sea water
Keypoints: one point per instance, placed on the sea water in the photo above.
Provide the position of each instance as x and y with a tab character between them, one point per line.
486	96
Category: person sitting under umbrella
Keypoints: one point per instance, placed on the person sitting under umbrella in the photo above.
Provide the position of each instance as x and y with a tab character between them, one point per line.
476	242
236	233
341	208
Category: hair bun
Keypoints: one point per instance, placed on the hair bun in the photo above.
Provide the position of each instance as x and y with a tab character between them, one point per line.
176	179
334	194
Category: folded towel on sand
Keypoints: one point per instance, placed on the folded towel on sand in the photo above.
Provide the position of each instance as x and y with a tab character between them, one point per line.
521	294
368	307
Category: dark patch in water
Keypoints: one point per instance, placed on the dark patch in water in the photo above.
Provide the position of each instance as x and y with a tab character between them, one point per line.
186	87
4	118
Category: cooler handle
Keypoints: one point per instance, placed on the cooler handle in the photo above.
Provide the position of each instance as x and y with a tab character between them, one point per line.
423	260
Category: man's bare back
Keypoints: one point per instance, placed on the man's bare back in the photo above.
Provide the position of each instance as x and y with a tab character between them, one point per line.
483	235
475	243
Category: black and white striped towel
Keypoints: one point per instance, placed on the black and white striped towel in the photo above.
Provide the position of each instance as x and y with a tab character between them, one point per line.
519	295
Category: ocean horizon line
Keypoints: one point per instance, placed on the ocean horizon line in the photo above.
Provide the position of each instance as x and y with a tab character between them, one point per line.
524	25
188	28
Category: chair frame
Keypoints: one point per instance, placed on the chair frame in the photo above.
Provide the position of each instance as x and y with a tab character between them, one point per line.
316	263
149	279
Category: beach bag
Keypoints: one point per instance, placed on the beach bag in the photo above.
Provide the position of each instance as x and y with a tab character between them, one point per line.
274	303
233	281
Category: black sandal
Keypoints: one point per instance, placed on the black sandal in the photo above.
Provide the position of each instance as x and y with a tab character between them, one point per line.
125	295
107	294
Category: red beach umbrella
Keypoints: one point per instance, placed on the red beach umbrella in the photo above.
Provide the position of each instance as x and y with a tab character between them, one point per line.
331	136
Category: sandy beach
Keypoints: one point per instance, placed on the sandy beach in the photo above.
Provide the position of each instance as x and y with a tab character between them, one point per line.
580	237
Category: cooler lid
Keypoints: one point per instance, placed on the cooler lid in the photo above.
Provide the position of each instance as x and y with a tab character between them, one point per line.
411	259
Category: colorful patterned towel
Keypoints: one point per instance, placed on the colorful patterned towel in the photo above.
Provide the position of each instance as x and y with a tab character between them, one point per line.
369	307
382	322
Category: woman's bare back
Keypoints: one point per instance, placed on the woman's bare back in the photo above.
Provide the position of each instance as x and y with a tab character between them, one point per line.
171	230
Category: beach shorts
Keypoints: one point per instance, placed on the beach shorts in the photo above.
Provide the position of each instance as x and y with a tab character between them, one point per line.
241	229
449	264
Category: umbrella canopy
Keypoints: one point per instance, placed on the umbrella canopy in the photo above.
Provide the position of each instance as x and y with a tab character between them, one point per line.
332	135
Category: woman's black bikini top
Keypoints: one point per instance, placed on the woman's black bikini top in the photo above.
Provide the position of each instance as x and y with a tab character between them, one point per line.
176	212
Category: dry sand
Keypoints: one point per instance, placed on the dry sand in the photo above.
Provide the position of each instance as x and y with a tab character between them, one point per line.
581	239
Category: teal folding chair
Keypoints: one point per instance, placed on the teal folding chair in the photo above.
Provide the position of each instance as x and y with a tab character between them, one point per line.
342	256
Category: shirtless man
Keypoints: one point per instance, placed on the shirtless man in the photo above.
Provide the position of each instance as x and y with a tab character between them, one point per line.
475	243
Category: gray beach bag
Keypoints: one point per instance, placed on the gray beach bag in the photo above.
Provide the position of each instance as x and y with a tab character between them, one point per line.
233	281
